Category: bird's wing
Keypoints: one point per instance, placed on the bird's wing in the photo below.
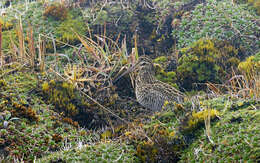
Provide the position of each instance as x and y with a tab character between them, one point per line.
164	91
168	89
151	98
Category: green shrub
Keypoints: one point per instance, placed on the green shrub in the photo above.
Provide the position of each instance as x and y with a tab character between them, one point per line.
103	152
251	66
206	61
63	96
256	5
65	31
162	74
220	20
234	138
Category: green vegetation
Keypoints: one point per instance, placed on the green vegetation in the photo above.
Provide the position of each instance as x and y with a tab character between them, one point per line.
30	128
233	138
206	61
169	77
103	152
220	20
62	94
60	100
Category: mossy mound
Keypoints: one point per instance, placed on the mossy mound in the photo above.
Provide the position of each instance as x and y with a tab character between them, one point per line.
164	71
102	152
219	20
43	118
251	66
206	61
164	135
82	109
168	135
65	98
234	138
29	128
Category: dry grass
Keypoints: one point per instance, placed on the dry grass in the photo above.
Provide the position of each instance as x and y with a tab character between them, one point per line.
41	53
239	86
31	45
24	51
244	86
19	30
1	55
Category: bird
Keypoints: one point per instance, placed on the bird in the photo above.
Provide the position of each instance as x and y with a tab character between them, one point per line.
151	92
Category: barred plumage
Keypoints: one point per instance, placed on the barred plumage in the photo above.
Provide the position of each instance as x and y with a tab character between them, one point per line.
150	92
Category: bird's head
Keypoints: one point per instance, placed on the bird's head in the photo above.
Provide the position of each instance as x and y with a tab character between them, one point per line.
143	65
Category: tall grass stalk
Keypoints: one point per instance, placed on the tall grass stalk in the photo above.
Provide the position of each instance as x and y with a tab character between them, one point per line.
41	49
1	55
32	51
20	35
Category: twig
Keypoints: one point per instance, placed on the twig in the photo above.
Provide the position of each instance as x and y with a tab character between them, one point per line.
103	107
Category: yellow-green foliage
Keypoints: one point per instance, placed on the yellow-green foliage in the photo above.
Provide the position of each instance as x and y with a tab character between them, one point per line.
160	59
62	95
256	4
199	117
65	31
7	37
158	139
206	60
251	66
168	77
112	133
236	137
56	11
2	84
160	74
6	25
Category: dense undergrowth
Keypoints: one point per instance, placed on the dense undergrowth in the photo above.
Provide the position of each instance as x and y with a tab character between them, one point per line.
59	101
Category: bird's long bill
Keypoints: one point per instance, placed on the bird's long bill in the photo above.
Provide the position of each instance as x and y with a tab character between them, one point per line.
131	69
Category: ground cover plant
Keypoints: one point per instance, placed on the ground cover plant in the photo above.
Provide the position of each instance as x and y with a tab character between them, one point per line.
61	99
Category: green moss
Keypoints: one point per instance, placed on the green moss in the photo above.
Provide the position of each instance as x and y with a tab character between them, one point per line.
161	59
235	137
169	77
30	128
61	94
103	152
251	66
206	61
199	117
65	30
9	36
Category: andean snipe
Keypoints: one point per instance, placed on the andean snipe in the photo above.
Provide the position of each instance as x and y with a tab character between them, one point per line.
150	92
